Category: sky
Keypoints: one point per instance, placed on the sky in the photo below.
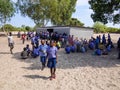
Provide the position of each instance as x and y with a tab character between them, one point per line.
82	13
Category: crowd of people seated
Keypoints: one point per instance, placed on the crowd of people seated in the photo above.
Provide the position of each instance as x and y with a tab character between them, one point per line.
101	45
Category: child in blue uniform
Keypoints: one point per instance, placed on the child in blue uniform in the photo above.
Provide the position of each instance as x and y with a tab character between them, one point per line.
35	52
67	49
43	53
52	59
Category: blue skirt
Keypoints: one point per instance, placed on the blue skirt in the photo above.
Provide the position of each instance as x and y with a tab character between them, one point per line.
51	63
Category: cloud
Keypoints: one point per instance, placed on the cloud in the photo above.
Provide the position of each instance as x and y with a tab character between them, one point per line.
82	2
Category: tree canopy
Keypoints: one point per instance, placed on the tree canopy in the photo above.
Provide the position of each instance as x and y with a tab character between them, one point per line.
58	12
75	22
105	11
7	10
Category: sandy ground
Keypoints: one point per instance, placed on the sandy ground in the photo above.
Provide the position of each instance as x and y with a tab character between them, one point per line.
74	72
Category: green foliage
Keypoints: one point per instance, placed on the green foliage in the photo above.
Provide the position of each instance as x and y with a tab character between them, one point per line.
27	28
6	10
101	28
9	27
105	11
113	30
41	12
75	22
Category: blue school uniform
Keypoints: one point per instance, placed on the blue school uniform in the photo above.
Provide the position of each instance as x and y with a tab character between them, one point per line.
72	48
68	49
98	52
91	45
43	53
35	52
109	48
52	52
83	50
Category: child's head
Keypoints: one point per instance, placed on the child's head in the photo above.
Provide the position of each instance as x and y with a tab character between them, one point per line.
10	33
51	43
27	45
42	42
24	49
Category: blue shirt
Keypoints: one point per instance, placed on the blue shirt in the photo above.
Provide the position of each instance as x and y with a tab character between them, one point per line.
43	50
52	52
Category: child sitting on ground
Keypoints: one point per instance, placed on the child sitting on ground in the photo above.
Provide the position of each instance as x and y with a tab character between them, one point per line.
35	52
28	49
67	49
98	52
24	54
72	48
83	49
91	45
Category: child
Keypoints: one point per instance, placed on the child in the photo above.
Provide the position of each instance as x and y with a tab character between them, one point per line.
67	49
58	45
72	48
23	38
35	52
98	52
28	50
91	45
10	42
52	59
83	49
24	54
43	53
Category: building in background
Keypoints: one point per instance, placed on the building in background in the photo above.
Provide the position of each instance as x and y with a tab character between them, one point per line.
80	32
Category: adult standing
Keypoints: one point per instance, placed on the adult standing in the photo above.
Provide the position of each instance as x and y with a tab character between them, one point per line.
10	42
52	59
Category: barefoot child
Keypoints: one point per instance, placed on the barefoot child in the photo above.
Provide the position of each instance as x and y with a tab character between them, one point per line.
52	59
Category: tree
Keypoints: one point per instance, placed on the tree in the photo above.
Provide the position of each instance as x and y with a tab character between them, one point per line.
6	11
75	22
58	12
8	27
105	11
27	28
99	27
63	12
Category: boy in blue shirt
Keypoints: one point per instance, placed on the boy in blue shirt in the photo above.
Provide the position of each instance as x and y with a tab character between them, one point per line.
43	53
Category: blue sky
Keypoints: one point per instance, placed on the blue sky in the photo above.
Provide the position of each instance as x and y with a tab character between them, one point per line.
82	13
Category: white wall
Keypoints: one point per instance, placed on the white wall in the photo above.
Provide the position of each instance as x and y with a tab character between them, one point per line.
81	32
62	30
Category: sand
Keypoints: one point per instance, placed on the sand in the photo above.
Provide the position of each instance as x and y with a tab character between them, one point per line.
74	71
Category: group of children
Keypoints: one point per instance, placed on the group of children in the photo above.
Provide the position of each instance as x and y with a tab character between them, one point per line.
100	46
48	48
47	53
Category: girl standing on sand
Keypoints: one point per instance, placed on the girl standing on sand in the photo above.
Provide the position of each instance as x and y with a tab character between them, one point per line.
52	59
10	42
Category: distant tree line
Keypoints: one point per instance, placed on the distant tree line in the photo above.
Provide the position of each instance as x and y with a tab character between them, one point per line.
101	28
59	12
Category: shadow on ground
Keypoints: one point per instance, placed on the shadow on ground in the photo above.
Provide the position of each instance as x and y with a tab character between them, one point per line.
75	60
36	77
5	53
